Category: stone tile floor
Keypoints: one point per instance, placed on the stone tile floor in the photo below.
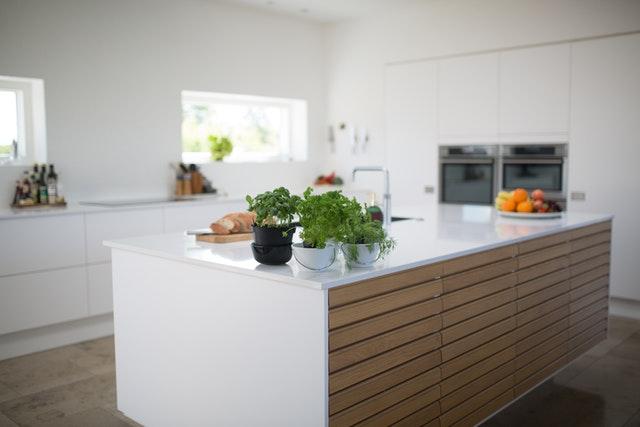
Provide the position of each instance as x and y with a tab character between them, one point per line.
74	386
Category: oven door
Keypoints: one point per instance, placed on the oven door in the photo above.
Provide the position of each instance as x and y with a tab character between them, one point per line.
467	181
546	174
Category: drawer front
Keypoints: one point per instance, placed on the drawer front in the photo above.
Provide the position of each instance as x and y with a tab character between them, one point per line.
544	295
591	229
590	264
543	322
539	338
478	291
592	252
543	282
100	289
467	311
588	288
543	242
543	269
477	323
38	299
477	339
41	243
478	354
481	274
180	218
590	275
547	254
592	240
542	309
476	260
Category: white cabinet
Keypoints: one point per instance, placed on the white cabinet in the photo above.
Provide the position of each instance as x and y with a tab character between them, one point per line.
468	99
100	290
181	218
605	147
38	299
41	243
118	224
534	94
411	130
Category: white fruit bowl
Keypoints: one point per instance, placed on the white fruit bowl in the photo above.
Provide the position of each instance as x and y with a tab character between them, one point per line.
530	215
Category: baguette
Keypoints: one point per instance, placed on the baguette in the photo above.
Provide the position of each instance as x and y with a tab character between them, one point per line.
222	226
235	222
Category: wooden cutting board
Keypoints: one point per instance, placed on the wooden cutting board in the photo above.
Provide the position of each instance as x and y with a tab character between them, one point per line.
224	238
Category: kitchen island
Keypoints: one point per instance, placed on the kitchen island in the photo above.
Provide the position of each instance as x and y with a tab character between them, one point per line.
467	314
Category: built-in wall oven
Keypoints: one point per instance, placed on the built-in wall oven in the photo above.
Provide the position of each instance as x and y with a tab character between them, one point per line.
468	174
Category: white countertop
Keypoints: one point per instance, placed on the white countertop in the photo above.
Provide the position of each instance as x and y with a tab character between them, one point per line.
447	231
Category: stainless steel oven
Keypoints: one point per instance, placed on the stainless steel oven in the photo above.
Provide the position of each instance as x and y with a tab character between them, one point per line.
468	174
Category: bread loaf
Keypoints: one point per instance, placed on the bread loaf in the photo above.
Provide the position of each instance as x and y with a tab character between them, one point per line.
236	222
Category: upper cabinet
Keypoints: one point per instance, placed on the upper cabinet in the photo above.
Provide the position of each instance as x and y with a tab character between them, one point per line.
534	94
468	99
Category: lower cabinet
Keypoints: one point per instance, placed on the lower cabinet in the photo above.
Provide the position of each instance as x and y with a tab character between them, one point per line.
39	299
100	289
450	344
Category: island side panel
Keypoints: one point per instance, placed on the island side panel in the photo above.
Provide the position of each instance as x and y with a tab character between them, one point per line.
197	346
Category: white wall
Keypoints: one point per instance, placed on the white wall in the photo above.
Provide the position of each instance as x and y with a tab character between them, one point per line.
113	72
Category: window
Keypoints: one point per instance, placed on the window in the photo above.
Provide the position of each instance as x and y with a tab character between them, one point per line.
260	129
22	122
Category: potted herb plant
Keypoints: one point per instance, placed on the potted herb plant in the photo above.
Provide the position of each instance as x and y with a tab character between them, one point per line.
323	218
220	147
273	229
365	241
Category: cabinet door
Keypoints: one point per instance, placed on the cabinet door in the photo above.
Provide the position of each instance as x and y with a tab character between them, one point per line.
411	139
534	94
41	243
100	289
116	225
39	299
188	217
468	99
604	150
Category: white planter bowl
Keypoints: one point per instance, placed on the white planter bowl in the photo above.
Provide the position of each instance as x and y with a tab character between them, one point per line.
314	259
367	254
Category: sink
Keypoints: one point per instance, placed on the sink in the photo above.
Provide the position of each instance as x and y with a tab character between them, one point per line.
404	218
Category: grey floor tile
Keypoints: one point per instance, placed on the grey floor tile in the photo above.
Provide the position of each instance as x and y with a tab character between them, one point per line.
575	368
6	393
96	417
6	422
97	356
628	349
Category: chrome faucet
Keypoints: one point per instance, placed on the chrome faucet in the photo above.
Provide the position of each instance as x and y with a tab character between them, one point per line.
386	197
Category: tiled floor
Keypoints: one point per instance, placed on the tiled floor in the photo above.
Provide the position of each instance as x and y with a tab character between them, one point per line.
74	386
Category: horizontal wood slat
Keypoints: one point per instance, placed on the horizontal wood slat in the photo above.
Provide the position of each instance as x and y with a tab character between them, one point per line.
543	242
477	323
542	282
588	300
588	322
543	295
580	349
540	363
454	382
480	290
591	240
467	311
477	275
381	285
542	269
404	408
588	276
586	289
542	309
542	322
486	410
540	350
590	264
533	258
537	377
588	311
468	262
587	334
593	251
469	358
542	335
591	229
371	307
454	349
427	414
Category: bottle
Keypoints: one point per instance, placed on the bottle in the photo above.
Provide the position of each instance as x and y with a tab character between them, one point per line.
26	185
35	192
42	185
17	196
52	185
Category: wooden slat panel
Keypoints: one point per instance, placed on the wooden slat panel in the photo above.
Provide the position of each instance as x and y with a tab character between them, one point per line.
474	324
590	229
419	418
385	399
588	300
588	322
542	322
451	400
477	370
591	252
533	258
586	335
539	364
543	295
370	367
542	309
478	291
486	410
590	287
381	285
540	350
475	308
469	358
590	264
476	402
379	344
404	408
474	340
588	311
477	275
377	384
590	275
546	267
532	381
591	240
543	242
342	337
371	307
542	282
472	261
579	350
543	335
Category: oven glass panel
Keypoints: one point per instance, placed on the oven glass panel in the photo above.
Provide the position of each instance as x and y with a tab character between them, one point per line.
467	183
531	176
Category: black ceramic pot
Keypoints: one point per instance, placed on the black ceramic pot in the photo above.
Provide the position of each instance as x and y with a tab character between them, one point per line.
272	255
273	236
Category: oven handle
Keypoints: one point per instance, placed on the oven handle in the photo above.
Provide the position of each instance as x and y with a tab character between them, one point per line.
468	161
534	161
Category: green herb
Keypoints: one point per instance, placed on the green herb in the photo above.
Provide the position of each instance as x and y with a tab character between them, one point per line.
220	147
365	231
275	208
325	216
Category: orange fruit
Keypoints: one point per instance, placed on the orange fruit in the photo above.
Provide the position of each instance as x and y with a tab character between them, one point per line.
525	206
508	206
520	195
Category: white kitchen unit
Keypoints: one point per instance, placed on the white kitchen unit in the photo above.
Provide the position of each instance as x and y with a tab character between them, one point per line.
534	94
468	99
605	145
411	130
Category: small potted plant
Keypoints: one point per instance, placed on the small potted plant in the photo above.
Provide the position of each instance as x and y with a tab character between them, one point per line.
220	147
322	218
273	229
366	241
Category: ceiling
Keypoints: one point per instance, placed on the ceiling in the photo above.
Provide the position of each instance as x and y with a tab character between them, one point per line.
321	10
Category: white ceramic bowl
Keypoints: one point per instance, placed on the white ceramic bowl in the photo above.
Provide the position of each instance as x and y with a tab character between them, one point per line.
314	259
367	254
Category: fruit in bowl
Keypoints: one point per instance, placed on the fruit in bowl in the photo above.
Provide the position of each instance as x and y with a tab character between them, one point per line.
519	200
